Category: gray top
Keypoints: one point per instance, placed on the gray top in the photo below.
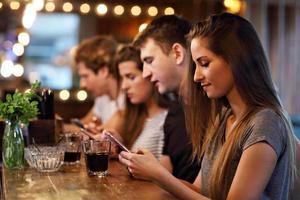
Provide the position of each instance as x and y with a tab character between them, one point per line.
269	128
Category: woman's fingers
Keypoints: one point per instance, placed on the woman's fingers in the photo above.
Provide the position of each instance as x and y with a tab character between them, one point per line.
124	158
142	151
126	155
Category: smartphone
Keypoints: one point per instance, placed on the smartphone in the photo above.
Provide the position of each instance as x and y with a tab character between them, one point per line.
85	131
115	140
77	122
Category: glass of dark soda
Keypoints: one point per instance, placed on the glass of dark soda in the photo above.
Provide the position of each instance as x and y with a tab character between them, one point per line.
72	146
97	157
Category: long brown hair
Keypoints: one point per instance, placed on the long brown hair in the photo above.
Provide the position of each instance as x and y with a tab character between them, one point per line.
234	39
134	115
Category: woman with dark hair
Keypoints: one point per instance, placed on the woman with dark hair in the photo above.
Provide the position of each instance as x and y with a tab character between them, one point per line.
235	118
140	124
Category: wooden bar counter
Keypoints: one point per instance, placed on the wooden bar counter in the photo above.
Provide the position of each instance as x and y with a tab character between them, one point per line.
71	182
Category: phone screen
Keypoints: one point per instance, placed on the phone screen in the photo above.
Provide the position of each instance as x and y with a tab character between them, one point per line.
77	122
115	140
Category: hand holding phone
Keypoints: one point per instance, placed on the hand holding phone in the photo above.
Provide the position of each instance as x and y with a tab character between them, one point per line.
85	131
115	140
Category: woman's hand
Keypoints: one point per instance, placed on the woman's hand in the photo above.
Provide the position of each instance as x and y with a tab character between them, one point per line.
142	165
94	126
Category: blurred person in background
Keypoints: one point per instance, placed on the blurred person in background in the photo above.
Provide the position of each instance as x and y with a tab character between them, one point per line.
94	59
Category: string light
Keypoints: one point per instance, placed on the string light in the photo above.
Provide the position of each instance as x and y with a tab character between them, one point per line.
24	38
152	11
142	27
1	5
50	6
18	49
28	16
64	95
169	11
6	68
85	8
136	10
119	10
38	4
101	9
67	7
14	5
18	70
81	95
233	6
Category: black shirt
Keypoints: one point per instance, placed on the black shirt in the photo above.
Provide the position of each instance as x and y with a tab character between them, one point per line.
178	145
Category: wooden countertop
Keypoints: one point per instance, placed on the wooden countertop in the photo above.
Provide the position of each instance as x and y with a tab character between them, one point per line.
72	182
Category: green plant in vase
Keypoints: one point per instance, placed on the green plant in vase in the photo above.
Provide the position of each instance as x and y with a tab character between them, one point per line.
18	109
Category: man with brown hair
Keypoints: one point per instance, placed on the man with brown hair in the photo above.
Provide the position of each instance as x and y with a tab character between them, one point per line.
165	57
95	61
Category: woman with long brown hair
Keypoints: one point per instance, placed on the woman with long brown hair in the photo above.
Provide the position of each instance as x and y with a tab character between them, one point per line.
235	118
140	123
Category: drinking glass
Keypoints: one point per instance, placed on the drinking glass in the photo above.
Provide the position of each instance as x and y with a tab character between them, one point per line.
72	146
96	157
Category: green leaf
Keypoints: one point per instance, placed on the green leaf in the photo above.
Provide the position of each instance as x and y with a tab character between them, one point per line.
19	106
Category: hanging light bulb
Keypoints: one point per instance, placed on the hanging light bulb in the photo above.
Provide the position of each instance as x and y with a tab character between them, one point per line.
38	4
169	11
64	95
119	10
136	10
82	95
18	70
28	16
85	8
233	6
6	68
101	9
142	27
67	7
24	38
152	11
18	49
14	5
50	6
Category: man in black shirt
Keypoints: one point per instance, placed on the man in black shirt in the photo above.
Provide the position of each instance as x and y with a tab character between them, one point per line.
177	146
165	57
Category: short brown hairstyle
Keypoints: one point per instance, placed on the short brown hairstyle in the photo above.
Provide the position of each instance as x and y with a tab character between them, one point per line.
97	52
165	31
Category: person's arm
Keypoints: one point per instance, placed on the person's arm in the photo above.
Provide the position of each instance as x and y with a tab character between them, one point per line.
88	117
145	166
196	186
253	173
166	162
114	124
182	190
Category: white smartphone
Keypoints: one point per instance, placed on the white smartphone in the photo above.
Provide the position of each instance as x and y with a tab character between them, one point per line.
115	140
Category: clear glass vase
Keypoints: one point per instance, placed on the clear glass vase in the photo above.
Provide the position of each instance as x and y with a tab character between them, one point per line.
13	145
